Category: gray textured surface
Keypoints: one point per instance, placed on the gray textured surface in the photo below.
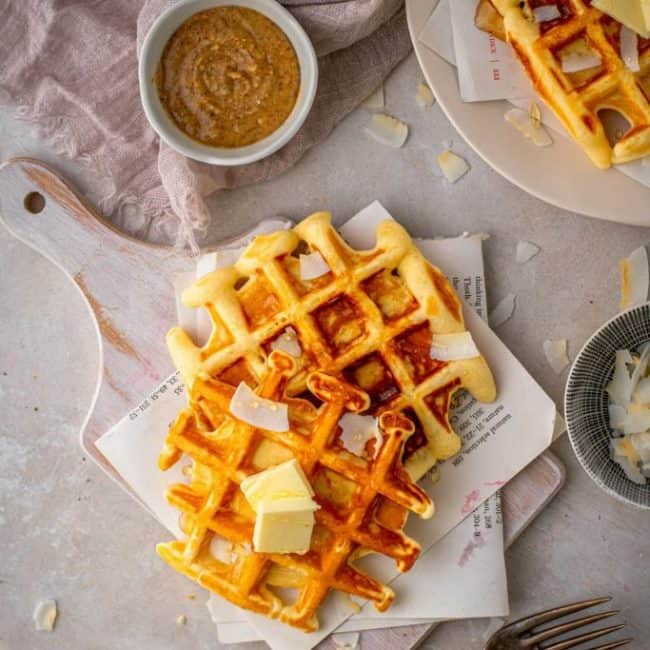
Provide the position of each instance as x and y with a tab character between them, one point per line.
67	532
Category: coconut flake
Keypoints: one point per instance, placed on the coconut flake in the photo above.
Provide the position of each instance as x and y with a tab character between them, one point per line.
635	278
288	342
617	415
387	130
630	447
579	61
346	640
374	102
313	266
630	48
257	411
45	615
357	430
503	310
640	369
424	97
535	114
620	387
641	392
637	409
528	127
221	549
641	443
638	422
556	354
545	13
452	166
621	447
526	251
453	347
618	453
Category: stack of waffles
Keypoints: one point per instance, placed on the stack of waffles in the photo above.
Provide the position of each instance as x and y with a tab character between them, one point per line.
360	334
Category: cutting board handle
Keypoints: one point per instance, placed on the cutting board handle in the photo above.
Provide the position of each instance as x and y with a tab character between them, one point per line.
44	211
126	285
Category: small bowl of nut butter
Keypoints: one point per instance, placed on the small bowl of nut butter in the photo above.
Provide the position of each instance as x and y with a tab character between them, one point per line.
227	82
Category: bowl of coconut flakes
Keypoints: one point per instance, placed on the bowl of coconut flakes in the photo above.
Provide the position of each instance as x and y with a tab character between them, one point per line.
607	406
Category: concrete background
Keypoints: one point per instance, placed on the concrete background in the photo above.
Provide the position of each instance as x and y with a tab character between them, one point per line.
67	532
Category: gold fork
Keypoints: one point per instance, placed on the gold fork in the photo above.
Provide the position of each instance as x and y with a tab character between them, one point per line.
521	635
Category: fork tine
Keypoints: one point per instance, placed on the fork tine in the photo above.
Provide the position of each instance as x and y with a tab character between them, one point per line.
565	627
529	622
615	644
587	636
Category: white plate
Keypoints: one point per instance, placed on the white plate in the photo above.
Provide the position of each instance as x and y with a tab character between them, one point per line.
561	174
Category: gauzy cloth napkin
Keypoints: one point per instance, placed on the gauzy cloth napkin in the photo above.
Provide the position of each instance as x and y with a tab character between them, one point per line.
71	68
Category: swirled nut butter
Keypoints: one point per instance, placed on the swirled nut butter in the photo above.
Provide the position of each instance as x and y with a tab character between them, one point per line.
228	77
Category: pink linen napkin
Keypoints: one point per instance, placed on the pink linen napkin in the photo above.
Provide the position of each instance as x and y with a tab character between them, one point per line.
71	69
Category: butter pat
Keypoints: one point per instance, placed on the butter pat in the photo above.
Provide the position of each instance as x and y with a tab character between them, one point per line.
284	525
645	7
282	481
632	13
282	499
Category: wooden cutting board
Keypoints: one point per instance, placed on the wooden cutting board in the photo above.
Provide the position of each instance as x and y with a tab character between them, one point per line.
127	289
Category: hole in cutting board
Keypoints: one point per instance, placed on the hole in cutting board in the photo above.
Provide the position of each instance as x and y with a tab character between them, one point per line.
34	202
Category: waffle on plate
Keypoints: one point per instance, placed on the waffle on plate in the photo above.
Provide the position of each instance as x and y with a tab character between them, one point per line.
577	96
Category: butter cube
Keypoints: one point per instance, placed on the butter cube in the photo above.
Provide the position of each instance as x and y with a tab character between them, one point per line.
284	525
282	481
632	13
645	6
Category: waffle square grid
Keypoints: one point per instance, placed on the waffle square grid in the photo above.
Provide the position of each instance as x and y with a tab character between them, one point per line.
577	98
369	320
353	493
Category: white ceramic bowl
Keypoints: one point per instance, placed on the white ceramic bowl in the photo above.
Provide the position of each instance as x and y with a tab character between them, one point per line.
152	48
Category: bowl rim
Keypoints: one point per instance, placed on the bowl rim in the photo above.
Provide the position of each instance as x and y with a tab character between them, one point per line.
571	383
172	135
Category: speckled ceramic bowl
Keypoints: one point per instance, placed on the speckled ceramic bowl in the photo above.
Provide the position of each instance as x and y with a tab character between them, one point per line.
585	403
152	48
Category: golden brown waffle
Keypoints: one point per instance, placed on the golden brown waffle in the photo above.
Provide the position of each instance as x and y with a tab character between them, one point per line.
577	98
369	320
350	491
